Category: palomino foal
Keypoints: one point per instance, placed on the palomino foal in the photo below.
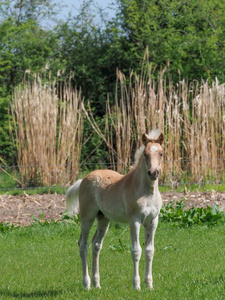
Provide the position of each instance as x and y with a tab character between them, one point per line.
133	198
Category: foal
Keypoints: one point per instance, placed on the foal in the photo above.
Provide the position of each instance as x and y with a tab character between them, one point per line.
133	198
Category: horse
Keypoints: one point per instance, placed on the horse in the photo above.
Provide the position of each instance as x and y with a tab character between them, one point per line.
133	198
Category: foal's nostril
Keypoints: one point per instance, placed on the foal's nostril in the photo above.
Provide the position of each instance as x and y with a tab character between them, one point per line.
154	173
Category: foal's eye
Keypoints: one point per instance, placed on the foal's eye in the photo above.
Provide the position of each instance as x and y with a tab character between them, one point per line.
160	154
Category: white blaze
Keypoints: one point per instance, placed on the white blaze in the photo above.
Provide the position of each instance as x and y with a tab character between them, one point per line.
154	148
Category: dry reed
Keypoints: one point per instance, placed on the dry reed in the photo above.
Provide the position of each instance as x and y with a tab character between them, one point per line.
48	131
191	115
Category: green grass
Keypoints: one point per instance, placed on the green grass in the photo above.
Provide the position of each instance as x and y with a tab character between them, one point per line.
34	191
7	181
42	262
10	186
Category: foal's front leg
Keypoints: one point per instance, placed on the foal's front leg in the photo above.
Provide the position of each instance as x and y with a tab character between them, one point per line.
136	251
149	250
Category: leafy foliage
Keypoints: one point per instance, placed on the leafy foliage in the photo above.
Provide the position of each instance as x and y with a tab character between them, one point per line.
41	222
177	214
71	220
24	46
189	36
21	11
4	227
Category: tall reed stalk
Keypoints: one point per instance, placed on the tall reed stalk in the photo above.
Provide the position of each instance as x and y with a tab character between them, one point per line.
119	118
48	127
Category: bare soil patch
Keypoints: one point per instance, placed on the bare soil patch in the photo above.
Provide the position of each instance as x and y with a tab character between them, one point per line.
19	209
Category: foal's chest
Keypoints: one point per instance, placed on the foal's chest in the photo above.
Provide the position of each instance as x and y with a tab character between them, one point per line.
150	208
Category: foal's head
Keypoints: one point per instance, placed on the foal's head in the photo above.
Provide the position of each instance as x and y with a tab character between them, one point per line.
153	154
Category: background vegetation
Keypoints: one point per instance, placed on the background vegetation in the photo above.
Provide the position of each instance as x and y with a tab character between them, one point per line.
183	71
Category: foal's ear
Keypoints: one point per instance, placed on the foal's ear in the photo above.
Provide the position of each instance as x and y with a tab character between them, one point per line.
160	139
145	139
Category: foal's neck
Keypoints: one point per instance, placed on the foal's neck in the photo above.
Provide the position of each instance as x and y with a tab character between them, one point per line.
143	180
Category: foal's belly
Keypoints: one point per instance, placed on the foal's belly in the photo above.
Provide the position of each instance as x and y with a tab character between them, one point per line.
113	208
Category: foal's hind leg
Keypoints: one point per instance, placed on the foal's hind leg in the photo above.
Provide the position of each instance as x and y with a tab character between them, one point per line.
103	225
83	244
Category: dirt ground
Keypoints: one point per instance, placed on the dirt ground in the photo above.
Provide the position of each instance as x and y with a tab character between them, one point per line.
19	209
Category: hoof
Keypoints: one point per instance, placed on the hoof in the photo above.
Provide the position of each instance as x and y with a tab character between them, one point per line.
98	286
96	282
149	284
137	286
87	283
137	283
87	287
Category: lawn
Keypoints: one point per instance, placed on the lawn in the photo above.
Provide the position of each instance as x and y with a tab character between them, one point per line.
42	262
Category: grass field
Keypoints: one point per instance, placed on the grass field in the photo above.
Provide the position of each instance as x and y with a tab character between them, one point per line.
42	262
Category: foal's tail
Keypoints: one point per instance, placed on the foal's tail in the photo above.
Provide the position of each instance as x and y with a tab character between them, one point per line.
72	199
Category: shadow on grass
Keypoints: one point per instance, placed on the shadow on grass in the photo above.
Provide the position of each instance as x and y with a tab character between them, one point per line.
17	294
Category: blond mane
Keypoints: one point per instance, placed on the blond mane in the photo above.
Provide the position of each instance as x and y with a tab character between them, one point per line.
152	135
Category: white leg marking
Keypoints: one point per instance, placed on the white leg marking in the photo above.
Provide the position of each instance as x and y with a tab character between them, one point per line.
150	230
97	241
83	244
136	251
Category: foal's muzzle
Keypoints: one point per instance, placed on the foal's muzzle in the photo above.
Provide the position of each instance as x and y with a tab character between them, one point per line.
153	174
